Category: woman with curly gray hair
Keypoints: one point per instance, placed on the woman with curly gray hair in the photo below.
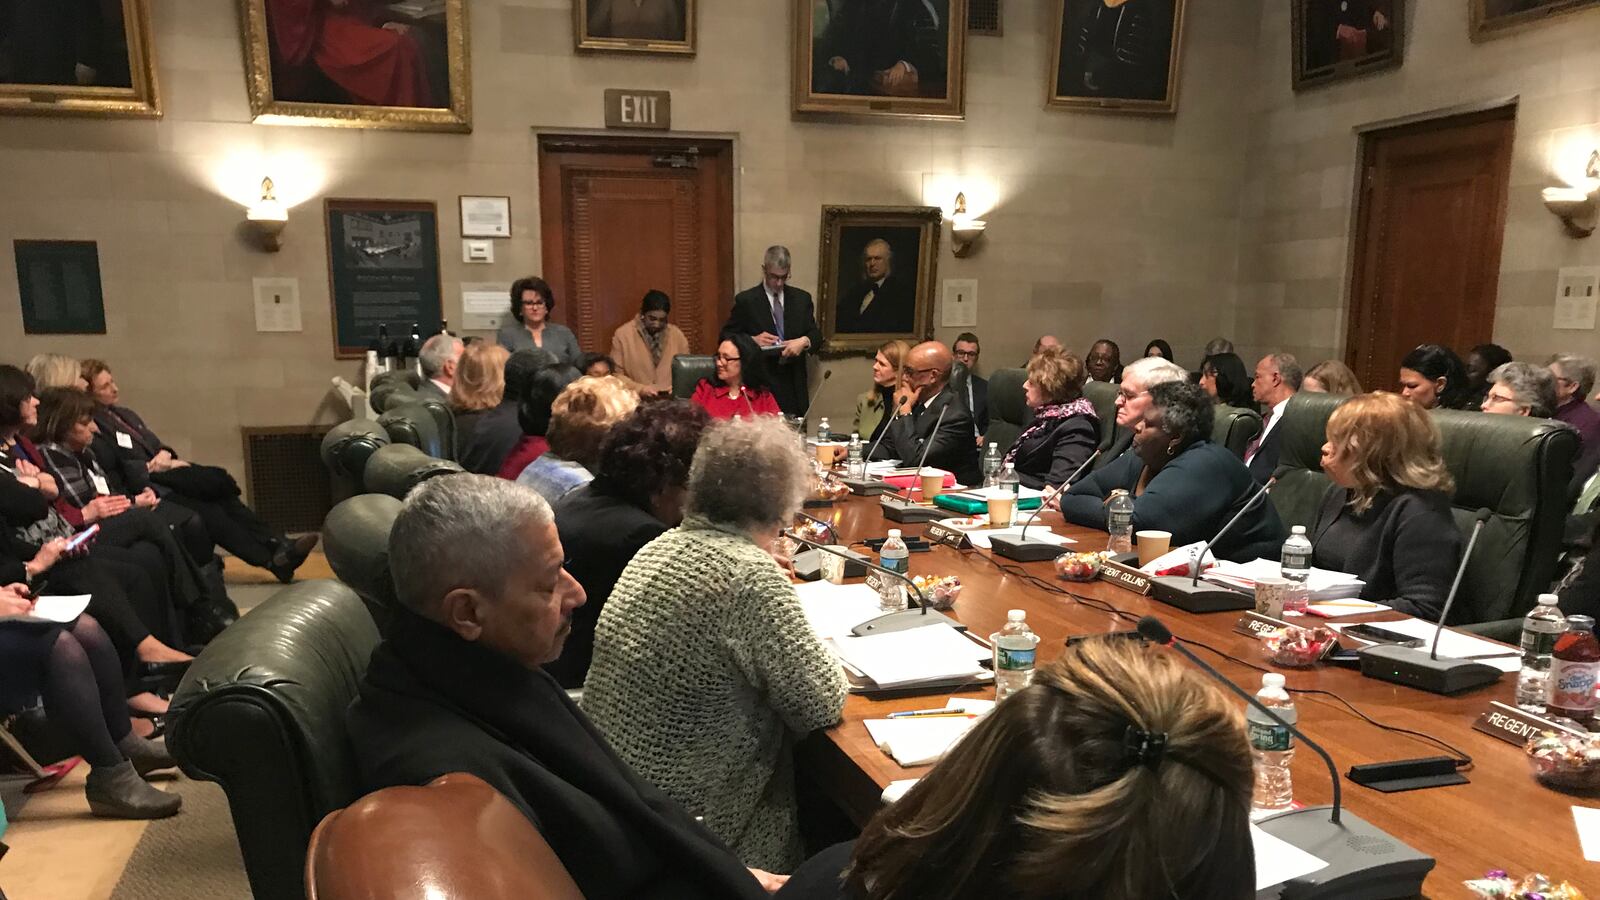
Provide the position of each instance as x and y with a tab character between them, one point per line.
705	670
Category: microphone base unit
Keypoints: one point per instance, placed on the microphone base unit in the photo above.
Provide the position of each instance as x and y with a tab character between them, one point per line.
1414	667
1021	550
1364	862
898	510
904	620
867	487
808	564
1181	591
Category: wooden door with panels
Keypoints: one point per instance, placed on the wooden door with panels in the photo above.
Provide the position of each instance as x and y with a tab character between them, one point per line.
621	216
1431	216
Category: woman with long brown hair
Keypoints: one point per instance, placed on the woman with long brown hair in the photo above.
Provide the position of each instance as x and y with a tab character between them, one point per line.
1119	774
888	365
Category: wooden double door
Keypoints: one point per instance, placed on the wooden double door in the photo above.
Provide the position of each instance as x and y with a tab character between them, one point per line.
622	216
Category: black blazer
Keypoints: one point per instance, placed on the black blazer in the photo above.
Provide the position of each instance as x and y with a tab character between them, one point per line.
483	445
893	309
752	314
1050	455
600	534
1406	547
432	703
976	392
1265	462
953	447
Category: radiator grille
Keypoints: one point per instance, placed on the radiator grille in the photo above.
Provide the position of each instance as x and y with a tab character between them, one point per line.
288	486
983	17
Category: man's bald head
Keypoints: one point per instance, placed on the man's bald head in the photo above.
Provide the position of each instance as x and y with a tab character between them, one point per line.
928	364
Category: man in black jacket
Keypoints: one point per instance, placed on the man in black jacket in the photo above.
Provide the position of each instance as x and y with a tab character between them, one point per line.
783	323
882	302
456	686
918	422
966	350
1277	378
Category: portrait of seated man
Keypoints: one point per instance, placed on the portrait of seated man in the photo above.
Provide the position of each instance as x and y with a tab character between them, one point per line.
82	43
880	295
1115	49
646	20
357	52
1347	30
882	48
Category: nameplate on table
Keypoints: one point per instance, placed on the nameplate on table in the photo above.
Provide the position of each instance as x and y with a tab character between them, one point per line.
875	580
937	533
1515	726
1125	577
1256	625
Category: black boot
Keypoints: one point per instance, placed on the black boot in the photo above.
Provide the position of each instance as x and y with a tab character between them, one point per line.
117	792
289	555
146	755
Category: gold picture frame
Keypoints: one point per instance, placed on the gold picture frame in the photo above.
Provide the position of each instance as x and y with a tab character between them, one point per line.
901	305
915	92
438	60
588	30
1126	88
1486	22
1332	41
70	95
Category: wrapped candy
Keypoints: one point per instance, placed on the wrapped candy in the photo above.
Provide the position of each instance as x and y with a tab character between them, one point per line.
941	590
1079	566
1564	760
1497	885
1297	647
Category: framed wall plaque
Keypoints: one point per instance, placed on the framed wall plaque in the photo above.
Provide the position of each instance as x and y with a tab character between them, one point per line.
383	269
60	286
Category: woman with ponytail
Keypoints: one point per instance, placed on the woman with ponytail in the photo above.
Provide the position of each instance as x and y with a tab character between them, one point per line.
1119	774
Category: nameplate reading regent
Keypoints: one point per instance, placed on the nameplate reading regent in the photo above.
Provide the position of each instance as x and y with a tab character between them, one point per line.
936	533
1125	577
1513	725
1256	625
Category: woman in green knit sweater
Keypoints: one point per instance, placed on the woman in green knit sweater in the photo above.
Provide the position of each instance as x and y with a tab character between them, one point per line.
705	670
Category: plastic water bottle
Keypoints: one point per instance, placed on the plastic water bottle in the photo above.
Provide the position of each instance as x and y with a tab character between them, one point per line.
1015	646
1295	562
824	430
1119	522
893	556
1574	671
991	465
855	457
1272	747
1540	628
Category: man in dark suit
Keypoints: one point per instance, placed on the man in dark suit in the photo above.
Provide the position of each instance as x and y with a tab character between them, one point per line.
883	302
919	405
783	322
975	389
1277	378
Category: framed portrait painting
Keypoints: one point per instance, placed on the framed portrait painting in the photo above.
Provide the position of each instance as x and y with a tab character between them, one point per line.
876	278
398	64
1493	18
1116	56
1336	39
635	26
78	58
880	57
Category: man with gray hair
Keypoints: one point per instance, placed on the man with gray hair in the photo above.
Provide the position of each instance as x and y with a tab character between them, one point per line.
783	322
1133	398
438	359
457	686
1521	389
1277	378
1574	380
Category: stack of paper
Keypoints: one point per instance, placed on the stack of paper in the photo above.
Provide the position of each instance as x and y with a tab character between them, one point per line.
922	741
932	654
834	609
59	609
1454	644
1322	585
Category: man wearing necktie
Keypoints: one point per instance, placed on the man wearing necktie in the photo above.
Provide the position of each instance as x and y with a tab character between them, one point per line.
1277	378
783	322
883	303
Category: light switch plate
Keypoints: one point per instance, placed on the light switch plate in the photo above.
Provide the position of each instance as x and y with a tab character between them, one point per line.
474	251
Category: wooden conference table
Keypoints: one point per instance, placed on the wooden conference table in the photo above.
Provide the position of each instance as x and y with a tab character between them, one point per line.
1503	819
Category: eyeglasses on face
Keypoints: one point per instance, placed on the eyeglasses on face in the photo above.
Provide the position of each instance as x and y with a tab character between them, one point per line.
1126	394
726	359
1498	398
965	354
536	301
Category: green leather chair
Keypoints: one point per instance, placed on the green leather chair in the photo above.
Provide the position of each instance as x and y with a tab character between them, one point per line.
355	537
1112	436
425	424
1517	467
393	388
1008	407
687	370
262	713
397	468
1235	427
348	446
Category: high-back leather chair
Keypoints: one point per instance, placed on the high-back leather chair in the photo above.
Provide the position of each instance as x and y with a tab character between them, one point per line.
1235	427
261	712
687	370
1516	466
419	424
397	468
392	388
347	447
355	537
455	839
1104	397
1008	408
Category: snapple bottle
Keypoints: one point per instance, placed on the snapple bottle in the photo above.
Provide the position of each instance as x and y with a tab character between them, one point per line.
1574	670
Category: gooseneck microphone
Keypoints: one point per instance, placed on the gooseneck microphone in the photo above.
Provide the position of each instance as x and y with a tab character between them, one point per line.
1190	593
1362	859
866	485
1201	562
902	509
1410	666
1020	548
826	374
928	445
895	621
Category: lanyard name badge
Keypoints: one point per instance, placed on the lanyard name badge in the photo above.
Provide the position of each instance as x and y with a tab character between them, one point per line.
124	440
101	487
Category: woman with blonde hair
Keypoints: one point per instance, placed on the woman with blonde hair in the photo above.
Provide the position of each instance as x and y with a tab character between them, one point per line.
1119	774
1387	518
1065	430
479	385
56	370
579	419
887	367
1331	377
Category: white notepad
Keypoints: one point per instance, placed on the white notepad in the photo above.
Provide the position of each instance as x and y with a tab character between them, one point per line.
914	656
916	741
58	609
834	609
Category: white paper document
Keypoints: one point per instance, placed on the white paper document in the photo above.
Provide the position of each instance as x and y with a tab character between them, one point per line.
834	609
1344	606
914	656
1454	644
1588	822
980	536
921	741
1278	860
59	609
1321	585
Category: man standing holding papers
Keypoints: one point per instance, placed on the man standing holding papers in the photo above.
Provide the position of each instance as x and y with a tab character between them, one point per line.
783	323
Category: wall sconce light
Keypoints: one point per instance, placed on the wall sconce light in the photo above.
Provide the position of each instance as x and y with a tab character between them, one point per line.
1576	207
964	229
268	217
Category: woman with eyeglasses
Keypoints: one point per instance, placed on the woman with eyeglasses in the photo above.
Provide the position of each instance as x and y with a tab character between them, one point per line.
740	386
531	304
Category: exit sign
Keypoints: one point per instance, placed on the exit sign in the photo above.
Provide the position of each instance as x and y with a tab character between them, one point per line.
638	109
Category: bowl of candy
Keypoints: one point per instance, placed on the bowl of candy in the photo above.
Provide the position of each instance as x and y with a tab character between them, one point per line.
1079	566
941	590
1498	885
1296	647
813	531
1565	760
830	488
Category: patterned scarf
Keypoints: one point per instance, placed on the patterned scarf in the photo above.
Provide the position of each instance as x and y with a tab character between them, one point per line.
1045	415
653	341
